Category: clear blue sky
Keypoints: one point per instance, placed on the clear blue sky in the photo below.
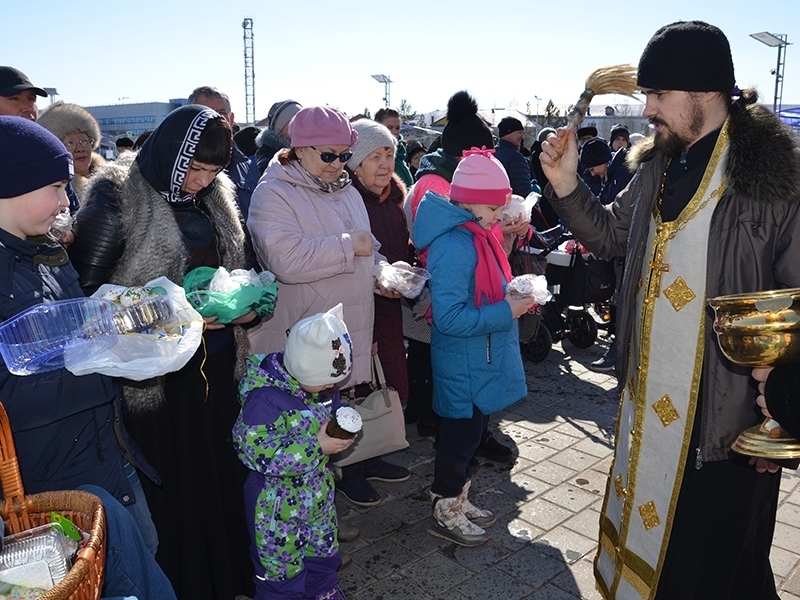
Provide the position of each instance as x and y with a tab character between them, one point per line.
324	51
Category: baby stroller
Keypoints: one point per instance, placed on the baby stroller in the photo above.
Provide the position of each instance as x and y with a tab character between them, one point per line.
566	314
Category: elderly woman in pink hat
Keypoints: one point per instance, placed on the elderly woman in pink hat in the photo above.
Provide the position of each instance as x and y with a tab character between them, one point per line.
311	229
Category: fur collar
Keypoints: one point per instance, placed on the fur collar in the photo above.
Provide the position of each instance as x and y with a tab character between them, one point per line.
763	160
80	183
154	246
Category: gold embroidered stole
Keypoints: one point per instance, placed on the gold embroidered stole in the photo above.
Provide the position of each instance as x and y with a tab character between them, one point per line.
657	405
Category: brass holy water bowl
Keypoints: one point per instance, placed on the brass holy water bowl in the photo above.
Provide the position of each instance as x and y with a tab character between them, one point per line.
761	329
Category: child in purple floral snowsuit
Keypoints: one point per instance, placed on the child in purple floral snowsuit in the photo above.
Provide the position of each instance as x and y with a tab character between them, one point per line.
288	398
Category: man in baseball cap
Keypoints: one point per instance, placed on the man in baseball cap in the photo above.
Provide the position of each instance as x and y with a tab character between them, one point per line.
18	94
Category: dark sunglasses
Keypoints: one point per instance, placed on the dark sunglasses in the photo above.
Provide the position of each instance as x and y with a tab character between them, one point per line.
329	157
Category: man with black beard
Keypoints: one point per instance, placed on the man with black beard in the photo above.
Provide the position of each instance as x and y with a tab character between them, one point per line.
712	209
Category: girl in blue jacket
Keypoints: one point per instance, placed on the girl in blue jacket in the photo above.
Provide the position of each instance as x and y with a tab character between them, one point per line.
477	367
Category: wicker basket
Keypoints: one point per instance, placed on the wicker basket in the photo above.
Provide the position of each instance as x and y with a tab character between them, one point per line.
21	512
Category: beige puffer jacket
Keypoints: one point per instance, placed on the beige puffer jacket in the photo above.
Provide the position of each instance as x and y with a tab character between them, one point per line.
301	234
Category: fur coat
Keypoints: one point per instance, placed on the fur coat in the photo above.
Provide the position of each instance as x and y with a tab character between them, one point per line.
126	211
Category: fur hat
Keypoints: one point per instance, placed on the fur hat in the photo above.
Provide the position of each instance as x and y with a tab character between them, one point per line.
63	118
588	130
321	126
371	136
480	179
595	152
464	129
509	125
319	351
281	113
690	56
30	157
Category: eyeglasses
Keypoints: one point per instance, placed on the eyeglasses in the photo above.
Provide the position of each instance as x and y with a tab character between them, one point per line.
83	143
329	157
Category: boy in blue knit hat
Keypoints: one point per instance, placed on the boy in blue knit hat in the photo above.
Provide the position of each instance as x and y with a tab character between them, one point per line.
64	425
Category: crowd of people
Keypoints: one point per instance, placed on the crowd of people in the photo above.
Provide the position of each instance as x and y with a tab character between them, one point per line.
217	478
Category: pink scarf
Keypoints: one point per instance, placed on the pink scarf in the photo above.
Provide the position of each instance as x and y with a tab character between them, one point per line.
490	253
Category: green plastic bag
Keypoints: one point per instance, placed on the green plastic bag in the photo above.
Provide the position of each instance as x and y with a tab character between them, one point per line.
227	306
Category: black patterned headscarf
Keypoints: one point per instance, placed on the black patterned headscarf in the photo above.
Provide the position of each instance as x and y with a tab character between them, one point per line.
165	156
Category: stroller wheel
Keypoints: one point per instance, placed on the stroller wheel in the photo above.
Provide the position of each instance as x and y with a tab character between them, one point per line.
581	329
537	350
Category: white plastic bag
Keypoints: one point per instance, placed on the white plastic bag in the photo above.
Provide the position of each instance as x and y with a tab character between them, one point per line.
140	356
519	208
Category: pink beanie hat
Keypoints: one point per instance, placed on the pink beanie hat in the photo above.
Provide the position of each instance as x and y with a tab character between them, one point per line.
321	126
480	179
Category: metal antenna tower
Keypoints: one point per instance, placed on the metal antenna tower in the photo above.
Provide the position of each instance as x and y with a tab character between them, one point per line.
249	71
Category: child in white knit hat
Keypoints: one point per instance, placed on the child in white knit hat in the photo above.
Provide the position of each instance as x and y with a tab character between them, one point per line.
288	399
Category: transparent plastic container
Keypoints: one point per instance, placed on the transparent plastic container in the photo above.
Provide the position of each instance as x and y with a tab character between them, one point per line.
39	339
46	544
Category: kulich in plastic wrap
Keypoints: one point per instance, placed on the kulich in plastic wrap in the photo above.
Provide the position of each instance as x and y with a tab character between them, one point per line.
402	277
139	308
530	286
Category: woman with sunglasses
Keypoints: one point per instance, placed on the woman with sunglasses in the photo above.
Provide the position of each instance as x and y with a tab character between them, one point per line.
310	228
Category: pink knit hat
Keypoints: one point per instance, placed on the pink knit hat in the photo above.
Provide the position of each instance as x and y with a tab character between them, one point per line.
480	179
321	126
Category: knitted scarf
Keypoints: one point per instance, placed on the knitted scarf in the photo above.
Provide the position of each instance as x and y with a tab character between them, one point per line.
490	253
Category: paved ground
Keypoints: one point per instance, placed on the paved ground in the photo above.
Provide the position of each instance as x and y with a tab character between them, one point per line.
548	503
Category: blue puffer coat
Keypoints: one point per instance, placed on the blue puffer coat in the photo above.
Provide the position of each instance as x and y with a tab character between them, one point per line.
64	425
474	350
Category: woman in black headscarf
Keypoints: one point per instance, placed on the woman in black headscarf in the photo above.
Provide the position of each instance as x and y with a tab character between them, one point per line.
165	211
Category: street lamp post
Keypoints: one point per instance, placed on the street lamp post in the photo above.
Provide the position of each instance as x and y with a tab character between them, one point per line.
387	82
52	92
538	118
773	40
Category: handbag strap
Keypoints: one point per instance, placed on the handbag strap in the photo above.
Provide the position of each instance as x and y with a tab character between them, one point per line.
378	378
378	381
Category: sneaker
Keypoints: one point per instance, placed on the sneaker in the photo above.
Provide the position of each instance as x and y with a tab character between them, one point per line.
358	491
606	363
449	522
380	470
492	449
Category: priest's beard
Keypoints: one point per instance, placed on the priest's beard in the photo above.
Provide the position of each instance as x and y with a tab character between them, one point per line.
672	142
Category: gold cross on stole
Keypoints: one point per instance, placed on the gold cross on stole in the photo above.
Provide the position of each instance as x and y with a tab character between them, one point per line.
657	266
